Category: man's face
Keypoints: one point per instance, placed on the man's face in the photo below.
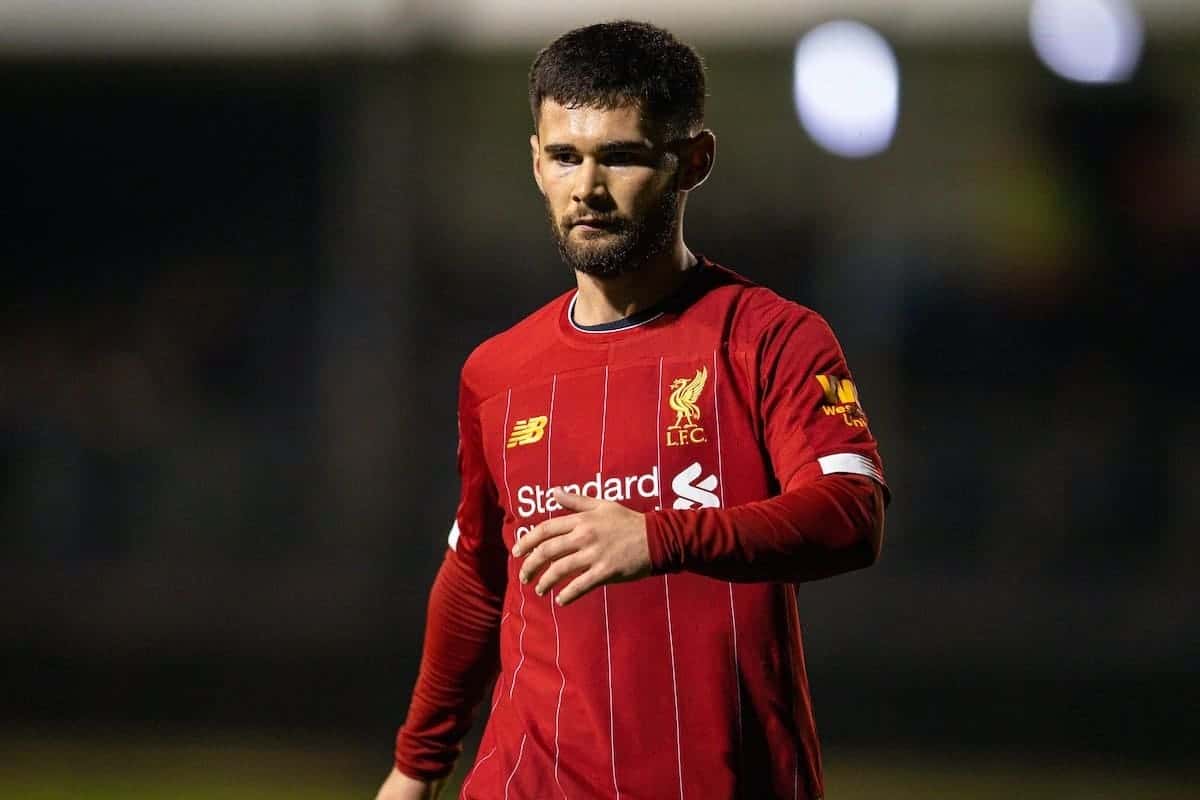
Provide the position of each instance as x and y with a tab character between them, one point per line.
609	186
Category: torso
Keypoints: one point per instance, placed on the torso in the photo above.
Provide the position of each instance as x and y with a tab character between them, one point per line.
670	686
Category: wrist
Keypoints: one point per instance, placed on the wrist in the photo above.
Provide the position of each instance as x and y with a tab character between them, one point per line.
664	558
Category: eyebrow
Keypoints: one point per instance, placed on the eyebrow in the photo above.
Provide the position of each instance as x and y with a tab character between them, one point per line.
607	147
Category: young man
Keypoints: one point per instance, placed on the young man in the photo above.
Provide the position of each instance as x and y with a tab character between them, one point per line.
649	464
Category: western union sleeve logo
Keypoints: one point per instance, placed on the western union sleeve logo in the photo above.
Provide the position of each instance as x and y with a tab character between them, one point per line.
841	398
527	431
838	391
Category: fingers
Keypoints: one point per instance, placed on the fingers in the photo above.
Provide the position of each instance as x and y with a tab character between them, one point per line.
554	549
543	531
579	587
557	525
575	502
560	569
546	552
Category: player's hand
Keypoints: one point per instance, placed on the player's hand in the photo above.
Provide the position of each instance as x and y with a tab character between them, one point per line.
602	542
399	786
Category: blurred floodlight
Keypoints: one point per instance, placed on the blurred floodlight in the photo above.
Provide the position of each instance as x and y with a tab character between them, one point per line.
1089	41
847	88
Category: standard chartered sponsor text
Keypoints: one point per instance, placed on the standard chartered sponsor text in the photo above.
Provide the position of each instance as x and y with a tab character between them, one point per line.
533	500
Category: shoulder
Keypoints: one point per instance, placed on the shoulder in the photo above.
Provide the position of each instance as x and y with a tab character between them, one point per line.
490	366
758	315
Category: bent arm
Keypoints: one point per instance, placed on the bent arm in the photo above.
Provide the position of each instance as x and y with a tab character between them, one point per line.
831	525
460	659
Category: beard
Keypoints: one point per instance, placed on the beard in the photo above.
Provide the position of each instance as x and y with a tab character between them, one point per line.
625	245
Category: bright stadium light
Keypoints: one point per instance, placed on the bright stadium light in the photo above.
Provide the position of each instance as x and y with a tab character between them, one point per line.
1089	41
847	88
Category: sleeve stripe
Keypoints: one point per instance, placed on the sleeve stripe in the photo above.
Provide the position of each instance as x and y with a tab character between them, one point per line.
852	463
454	534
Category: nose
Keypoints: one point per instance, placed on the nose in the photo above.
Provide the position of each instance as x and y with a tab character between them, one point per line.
589	182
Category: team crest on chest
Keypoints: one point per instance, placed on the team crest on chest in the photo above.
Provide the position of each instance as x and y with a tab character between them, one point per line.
685	392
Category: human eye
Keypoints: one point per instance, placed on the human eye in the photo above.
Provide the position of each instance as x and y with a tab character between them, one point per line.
565	158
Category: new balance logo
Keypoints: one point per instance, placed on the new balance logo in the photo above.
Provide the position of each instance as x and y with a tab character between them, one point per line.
690	493
528	431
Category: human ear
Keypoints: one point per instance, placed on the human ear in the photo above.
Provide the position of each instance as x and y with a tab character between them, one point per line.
696	160
535	152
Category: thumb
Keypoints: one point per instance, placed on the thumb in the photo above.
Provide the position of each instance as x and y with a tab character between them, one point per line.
575	502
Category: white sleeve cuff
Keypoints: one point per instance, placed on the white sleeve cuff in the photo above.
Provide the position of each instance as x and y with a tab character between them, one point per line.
851	463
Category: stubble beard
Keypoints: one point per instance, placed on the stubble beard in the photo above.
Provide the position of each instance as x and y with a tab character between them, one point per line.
623	248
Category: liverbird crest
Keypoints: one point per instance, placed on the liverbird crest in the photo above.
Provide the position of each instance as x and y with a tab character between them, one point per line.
684	394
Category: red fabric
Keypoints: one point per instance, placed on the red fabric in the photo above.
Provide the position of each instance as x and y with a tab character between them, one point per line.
719	418
460	659
828	527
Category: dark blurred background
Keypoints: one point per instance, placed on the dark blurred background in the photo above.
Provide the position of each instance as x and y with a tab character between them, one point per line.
245	253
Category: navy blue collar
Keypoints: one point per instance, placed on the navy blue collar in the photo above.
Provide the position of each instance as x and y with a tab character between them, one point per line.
641	317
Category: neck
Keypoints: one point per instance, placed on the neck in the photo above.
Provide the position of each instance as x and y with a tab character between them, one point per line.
604	300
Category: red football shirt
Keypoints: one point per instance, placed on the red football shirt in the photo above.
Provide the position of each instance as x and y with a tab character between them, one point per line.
678	685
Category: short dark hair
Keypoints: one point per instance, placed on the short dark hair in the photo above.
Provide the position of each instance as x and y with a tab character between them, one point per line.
612	64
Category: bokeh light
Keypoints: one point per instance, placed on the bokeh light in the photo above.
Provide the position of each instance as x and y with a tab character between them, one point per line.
847	88
1088	41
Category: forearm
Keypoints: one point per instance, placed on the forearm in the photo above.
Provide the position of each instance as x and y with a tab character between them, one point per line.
459	660
827	527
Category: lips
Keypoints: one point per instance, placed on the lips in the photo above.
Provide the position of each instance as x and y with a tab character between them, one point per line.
593	222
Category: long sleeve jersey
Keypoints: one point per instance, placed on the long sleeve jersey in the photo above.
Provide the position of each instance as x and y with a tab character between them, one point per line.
728	414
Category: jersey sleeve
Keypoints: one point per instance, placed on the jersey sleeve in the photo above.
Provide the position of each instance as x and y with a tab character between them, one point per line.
813	426
813	420
475	536
461	651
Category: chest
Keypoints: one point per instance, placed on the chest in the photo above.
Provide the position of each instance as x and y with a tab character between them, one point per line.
676	431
